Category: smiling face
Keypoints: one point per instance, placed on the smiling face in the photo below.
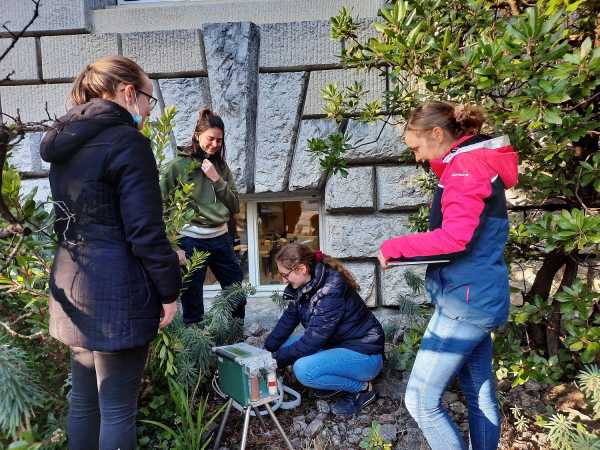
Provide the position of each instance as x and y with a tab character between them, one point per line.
211	140
296	277
427	144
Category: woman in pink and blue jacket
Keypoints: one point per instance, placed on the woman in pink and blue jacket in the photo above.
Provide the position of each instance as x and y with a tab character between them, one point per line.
468	227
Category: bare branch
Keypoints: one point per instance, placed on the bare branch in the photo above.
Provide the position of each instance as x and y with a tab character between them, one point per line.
17	36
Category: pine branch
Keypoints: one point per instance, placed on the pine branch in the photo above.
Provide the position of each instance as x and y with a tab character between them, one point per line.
19	392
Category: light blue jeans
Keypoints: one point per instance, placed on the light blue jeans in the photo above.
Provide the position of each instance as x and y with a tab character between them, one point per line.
454	347
336	369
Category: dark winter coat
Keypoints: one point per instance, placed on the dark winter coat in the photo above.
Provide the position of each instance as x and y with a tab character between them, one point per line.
333	315
113	264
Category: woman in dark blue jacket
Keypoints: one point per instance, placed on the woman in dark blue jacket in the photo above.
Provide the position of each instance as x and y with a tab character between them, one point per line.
114	273
342	345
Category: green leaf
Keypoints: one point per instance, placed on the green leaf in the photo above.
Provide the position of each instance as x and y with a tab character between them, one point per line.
552	116
586	47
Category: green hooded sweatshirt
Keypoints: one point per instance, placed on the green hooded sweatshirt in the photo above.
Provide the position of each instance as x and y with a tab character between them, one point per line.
213	202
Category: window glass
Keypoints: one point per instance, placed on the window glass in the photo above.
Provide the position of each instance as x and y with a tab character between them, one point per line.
280	223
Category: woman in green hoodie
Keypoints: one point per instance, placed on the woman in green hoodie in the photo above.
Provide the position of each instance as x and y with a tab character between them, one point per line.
214	199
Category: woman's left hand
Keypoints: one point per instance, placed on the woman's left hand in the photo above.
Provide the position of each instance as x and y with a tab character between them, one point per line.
209	170
382	261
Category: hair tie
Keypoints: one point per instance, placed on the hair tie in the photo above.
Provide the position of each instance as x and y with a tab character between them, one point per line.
319	255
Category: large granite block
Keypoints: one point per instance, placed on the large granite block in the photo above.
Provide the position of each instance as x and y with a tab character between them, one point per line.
43	189
394	287
356	191
397	188
188	95
306	173
279	111
376	142
20	64
371	81
31	100
364	274
66	56
67	16
232	63
359	236
168	15
166	52
25	156
304	45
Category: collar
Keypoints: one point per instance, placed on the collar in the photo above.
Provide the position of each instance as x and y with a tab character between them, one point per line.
438	164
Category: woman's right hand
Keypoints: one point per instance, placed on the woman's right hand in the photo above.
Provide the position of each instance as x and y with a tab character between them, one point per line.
181	256
168	314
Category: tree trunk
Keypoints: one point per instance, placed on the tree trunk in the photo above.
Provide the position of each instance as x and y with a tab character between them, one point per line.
553	330
542	286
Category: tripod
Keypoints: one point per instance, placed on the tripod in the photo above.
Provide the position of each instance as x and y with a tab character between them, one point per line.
247	410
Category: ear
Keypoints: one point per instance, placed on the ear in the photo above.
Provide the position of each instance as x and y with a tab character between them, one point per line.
303	269
129	92
438	134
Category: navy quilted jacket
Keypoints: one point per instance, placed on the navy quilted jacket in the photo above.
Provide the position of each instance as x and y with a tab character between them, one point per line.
333	315
113	264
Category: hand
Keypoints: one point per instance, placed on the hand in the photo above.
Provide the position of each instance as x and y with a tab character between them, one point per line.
168	314
181	257
383	262
209	170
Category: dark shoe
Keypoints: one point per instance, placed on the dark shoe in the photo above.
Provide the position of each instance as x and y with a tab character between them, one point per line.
353	402
323	394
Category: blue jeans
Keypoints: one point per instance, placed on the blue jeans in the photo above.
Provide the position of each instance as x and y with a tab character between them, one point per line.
224	265
454	347
103	401
336	369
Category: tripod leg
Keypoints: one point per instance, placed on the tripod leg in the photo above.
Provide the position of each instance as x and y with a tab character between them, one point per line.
285	438
222	425
246	425
262	421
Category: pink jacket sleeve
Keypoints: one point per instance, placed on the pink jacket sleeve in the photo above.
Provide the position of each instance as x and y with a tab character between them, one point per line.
466	184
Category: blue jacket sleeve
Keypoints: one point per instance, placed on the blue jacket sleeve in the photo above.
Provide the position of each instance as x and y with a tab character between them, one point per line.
285	326
321	326
132	170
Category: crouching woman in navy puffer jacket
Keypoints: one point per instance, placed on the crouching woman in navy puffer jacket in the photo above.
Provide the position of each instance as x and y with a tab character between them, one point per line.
468	227
342	345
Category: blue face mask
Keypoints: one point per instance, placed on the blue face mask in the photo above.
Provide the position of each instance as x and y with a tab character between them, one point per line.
137	118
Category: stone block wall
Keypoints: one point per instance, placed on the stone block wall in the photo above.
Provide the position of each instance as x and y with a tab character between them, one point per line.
265	81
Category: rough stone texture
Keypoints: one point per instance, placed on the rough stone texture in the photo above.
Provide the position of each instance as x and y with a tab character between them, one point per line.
25	156
305	173
232	60
388	147
31	100
66	56
159	52
350	236
354	191
397	188
188	95
279	111
305	45
172	15
372	82
21	60
364	274
57	15
42	185
393	285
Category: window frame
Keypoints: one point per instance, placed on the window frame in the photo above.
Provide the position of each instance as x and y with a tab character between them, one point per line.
262	290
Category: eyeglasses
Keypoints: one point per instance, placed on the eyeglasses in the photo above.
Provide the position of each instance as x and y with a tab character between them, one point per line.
286	275
152	101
